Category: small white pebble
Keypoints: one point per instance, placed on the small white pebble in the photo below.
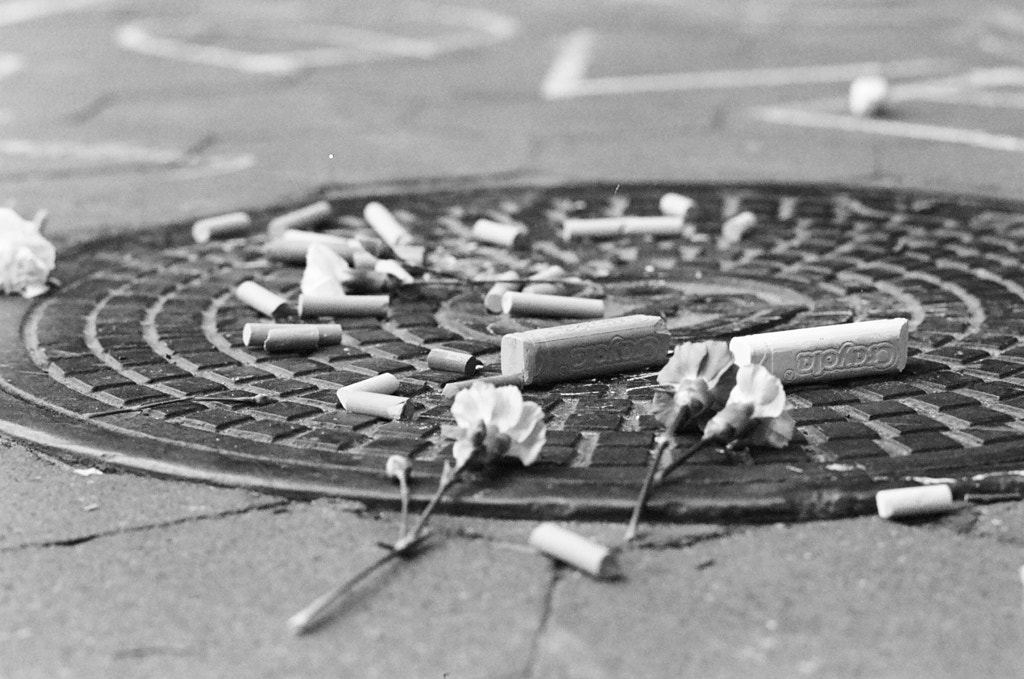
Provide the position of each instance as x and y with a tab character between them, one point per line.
869	95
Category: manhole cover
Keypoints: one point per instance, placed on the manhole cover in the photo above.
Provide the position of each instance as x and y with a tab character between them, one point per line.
148	318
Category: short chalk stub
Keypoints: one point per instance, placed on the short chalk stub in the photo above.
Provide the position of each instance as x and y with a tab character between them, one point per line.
385	383
869	96
384	406
314	305
897	503
255	334
453	388
265	301
676	204
303	339
221	226
579	552
307	217
509	236
551	306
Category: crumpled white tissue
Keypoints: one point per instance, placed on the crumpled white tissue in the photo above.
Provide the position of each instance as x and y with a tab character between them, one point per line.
26	257
325	273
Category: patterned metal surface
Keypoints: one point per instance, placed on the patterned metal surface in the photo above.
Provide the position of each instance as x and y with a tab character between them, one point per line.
147	319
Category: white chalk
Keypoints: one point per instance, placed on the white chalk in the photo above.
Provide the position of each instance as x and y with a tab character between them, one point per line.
453	388
385	383
510	236
734	228
614	227
384	406
292	339
676	204
221	226
896	503
869	95
259	298
346	306
828	352
255	334
346	247
394	235
492	300
453	361
306	217
588	349
555	306
574	549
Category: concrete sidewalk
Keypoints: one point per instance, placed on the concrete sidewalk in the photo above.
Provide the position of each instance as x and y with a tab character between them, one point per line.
119	575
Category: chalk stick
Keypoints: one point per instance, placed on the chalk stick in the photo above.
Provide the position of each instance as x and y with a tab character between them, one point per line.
589	349
553	306
453	361
492	299
307	217
574	549
259	298
829	352
676	204
614	227
869	96
394	235
896	503
384	406
453	388
221	226
385	383
255	334
344	306
292	339
510	236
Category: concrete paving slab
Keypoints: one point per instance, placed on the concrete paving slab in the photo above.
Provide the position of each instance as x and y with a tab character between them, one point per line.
852	598
175	601
50	502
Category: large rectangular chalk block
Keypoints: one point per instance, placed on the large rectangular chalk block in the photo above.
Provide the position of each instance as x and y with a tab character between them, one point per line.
828	352
588	349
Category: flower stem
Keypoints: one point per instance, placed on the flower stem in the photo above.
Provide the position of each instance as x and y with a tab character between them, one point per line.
413	536
680	417
310	617
403	488
693	450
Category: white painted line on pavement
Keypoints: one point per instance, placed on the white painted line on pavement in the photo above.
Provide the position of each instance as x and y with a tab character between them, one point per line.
119	153
339	45
566	78
20	11
891	128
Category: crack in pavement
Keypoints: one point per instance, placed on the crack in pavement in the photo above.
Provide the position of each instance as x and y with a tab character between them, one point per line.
74	542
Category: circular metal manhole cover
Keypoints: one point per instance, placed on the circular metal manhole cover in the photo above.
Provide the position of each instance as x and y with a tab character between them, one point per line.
143	319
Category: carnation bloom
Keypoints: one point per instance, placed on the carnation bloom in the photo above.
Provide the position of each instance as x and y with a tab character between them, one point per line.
755	412
26	257
698	375
495	422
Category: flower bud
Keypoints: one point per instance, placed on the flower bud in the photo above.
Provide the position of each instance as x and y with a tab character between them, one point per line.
397	466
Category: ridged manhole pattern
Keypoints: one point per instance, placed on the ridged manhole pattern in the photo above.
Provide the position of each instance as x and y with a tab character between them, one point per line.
148	318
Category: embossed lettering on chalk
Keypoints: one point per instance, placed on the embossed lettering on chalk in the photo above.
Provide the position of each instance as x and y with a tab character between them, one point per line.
848	356
618	351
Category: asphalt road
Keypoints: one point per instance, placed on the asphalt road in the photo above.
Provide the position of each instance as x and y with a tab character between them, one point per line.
117	115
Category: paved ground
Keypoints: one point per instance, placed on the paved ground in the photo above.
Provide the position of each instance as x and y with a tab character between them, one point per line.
127	116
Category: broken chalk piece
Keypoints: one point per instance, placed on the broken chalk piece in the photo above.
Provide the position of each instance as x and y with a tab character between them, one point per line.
255	334
896	503
676	204
386	225
613	227
303	339
577	551
259	298
307	217
384	406
735	227
453	388
492	300
385	383
453	361
221	226
347	306
510	236
828	352
588	349
869	95
555	306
